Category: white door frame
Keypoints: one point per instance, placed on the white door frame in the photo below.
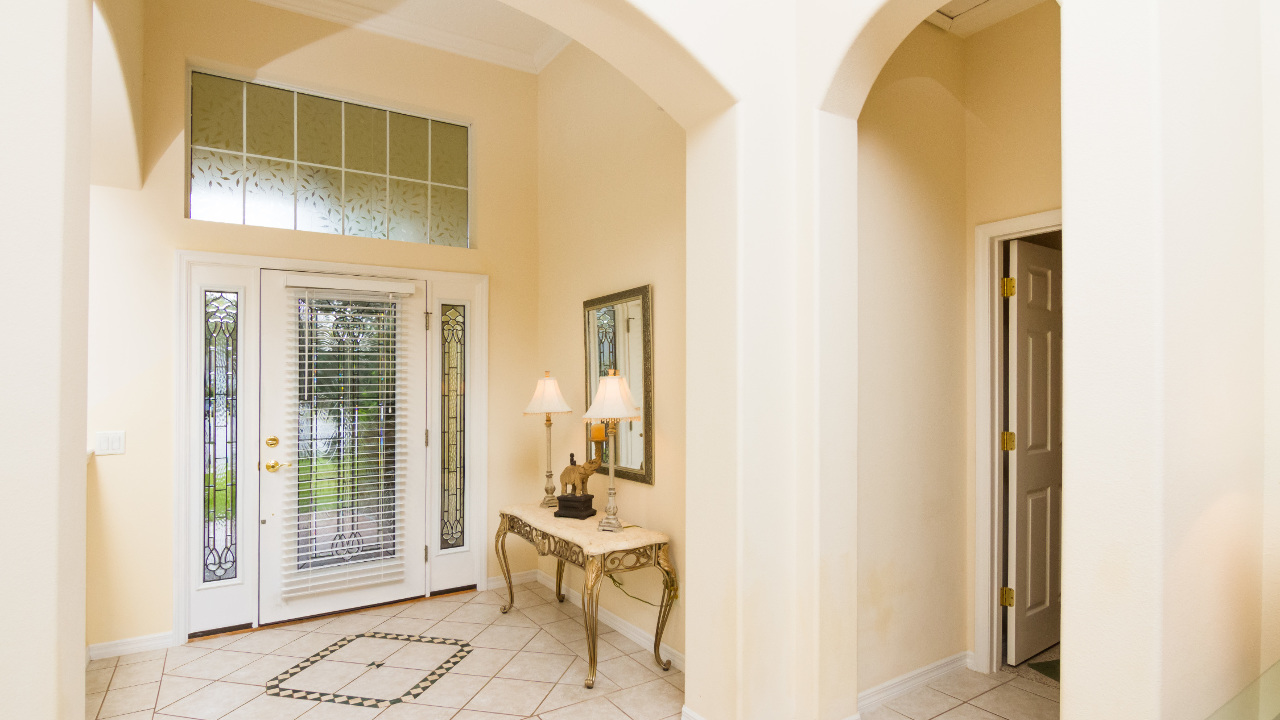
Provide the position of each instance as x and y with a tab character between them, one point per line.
989	398
183	426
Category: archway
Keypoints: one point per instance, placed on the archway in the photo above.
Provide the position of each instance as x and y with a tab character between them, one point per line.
694	98
921	121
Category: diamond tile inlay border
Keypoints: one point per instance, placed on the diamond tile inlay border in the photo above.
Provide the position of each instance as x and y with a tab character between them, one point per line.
273	685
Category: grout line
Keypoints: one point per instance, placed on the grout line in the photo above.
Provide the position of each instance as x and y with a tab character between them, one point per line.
538	629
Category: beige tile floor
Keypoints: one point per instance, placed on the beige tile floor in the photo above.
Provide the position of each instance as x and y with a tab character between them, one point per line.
529	663
1014	693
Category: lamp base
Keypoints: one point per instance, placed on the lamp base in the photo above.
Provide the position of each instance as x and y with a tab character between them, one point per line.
549	501
575	506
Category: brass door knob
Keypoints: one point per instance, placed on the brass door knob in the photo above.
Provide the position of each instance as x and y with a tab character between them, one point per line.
274	466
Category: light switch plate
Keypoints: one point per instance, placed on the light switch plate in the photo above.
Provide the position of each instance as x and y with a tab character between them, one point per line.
110	442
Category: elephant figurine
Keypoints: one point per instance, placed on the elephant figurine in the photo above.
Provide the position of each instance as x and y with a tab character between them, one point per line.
576	477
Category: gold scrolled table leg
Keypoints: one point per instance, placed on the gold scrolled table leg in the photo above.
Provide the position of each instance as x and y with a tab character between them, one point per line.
670	591
590	608
500	545
559	579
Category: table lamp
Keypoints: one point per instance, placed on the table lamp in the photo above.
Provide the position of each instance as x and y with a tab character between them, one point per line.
548	400
612	404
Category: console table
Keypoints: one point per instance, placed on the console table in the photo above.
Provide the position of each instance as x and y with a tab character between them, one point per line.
599	554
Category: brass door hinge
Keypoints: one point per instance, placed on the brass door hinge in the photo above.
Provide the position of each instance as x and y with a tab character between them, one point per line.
1006	597
1008	287
426	553
428	316
426	437
1008	441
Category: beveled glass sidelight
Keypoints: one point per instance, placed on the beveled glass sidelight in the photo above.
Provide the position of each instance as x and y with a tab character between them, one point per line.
270	157
453	427
221	411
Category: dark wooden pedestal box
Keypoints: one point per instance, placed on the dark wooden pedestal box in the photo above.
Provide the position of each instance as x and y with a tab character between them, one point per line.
575	506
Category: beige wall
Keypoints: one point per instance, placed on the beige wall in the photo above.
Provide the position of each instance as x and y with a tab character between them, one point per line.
955	133
1013	123
912	488
134	236
611	217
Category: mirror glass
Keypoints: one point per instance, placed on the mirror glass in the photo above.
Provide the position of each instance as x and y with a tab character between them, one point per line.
619	337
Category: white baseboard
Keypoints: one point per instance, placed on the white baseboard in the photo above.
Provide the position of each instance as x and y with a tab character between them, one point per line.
880	694
519	578
626	629
159	641
687	714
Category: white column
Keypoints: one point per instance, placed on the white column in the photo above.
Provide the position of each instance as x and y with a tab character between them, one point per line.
1163	373
44	48
1113	383
709	583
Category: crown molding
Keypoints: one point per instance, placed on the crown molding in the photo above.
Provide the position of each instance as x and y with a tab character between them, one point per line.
344	13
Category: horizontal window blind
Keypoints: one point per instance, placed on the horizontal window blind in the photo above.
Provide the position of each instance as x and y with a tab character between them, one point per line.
344	507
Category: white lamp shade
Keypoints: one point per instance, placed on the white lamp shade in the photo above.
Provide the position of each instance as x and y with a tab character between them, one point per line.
547	398
613	401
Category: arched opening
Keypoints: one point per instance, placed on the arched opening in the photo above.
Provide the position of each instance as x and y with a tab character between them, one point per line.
581	154
1117	177
936	133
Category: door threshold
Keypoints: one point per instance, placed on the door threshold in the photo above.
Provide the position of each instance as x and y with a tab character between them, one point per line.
452	591
230	630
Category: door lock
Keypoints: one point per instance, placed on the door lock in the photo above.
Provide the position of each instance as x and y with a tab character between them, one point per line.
273	441
274	466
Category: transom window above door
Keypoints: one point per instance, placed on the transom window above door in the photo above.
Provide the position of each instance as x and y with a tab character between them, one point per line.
270	157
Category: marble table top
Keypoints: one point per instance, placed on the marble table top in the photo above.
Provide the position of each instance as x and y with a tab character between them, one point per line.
583	533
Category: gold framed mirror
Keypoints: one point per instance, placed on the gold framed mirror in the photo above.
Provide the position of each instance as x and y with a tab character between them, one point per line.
619	336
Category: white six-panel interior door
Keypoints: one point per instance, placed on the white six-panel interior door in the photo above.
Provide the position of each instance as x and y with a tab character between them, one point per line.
327	464
1034	414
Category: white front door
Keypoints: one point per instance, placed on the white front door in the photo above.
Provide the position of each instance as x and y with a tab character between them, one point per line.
342	442
1034	362
335	438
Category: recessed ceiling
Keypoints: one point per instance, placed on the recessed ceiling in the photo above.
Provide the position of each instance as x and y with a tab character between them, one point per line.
482	29
966	17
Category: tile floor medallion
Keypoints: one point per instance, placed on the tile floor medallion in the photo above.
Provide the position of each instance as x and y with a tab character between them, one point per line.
448	658
273	685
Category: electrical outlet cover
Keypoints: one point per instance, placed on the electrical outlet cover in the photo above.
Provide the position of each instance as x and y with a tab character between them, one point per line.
109	443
